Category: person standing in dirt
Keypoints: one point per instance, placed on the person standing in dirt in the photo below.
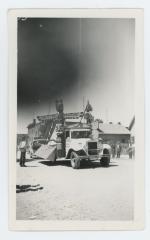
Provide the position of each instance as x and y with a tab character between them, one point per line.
23	147
118	150
113	150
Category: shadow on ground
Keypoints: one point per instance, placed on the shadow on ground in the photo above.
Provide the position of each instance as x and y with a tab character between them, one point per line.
84	165
29	160
27	188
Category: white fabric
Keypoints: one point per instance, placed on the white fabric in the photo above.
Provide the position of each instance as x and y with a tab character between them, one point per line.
23	144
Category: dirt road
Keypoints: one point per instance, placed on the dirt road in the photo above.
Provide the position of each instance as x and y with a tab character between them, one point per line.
58	192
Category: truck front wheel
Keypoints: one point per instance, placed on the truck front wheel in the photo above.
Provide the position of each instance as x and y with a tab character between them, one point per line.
75	160
105	161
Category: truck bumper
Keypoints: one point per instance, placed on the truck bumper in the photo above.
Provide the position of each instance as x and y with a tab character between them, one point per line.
94	157
89	158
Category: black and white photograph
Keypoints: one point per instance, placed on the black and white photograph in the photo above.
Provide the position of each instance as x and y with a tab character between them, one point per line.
76	113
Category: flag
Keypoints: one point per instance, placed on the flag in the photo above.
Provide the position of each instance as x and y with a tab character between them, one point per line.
88	107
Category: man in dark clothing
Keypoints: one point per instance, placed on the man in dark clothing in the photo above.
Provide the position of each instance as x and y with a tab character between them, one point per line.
118	149
113	150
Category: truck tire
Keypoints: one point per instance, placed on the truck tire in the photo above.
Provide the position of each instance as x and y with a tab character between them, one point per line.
75	160
54	160
105	161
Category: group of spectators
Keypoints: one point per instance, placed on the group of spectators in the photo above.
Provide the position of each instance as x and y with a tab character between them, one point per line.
116	150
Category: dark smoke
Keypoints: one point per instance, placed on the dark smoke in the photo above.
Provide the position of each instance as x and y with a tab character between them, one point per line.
46	69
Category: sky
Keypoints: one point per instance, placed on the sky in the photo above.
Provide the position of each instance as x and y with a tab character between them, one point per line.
76	60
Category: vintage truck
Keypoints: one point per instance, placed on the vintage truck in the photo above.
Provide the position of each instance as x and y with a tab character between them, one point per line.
73	142
80	146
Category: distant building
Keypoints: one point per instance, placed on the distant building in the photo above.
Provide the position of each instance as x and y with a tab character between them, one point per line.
35	130
132	129
112	133
20	136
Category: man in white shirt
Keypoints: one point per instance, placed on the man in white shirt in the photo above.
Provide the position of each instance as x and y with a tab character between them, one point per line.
22	147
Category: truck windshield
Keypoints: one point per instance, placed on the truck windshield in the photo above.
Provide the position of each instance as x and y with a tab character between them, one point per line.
80	134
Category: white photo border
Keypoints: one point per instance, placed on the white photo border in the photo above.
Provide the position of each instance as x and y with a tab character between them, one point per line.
139	191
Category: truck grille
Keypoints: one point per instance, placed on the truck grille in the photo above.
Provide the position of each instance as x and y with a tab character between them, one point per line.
92	148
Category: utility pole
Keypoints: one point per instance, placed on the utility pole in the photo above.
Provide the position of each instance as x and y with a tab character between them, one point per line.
106	112
60	126
83	103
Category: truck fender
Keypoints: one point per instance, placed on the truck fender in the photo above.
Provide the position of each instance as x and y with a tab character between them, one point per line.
69	153
106	152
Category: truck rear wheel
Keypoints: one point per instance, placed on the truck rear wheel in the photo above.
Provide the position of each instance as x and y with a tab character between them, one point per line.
75	160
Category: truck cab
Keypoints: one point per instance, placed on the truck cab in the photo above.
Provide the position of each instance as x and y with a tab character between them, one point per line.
81	146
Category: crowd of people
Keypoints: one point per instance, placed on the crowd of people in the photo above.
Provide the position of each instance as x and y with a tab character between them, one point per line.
116	150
